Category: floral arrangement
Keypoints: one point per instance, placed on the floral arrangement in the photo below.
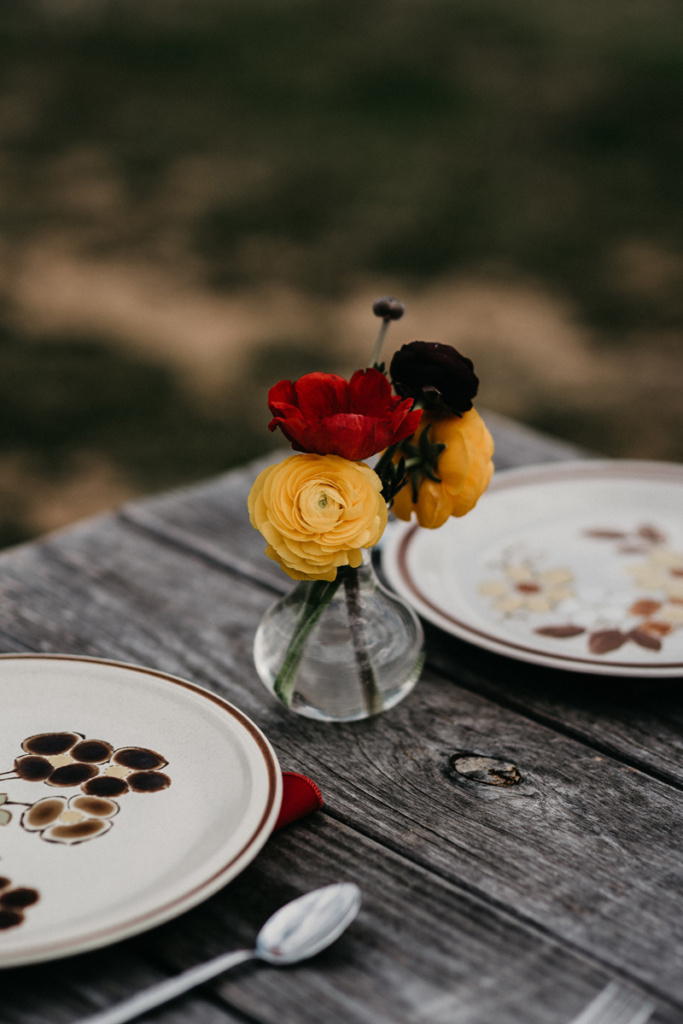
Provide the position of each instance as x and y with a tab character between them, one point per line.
319	509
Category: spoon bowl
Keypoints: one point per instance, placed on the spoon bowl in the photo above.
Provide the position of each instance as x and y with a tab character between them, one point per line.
308	924
295	932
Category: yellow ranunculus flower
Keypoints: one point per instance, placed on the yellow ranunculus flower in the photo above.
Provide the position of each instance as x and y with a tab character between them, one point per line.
316	512
464	469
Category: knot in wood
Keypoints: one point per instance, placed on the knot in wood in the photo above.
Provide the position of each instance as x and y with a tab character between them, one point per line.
490	771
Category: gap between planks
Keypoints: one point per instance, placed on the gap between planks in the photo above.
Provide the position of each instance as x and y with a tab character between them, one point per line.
150	524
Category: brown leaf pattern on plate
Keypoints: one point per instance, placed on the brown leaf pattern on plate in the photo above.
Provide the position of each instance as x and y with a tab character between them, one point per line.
656	628
606	640
645	639
651	534
606	534
631	542
58	820
69	760
645	607
14	901
523	590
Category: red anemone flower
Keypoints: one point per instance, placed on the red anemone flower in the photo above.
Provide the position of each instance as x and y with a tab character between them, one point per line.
327	415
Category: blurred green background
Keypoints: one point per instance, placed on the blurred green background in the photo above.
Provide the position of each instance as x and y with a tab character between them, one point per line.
199	198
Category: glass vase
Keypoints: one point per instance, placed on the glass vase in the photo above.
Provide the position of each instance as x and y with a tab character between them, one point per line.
341	651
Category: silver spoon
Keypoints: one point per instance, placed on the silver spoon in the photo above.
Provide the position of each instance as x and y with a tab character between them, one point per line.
295	932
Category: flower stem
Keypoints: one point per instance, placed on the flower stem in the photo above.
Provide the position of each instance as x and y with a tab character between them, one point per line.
319	595
384	326
372	699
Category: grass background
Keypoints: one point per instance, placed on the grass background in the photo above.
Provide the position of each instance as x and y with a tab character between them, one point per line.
198	198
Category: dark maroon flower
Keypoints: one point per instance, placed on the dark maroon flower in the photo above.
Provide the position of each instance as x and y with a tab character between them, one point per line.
327	415
435	375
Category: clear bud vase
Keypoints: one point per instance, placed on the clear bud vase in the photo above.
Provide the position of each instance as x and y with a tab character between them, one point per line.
340	651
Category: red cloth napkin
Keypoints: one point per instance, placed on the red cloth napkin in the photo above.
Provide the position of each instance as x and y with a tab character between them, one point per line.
300	796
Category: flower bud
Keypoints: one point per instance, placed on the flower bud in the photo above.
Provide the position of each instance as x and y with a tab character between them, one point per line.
388	308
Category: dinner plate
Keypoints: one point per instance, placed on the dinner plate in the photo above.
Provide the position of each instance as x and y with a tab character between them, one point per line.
576	566
127	796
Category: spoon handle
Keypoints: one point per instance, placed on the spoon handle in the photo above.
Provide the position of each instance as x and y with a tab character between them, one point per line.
166	990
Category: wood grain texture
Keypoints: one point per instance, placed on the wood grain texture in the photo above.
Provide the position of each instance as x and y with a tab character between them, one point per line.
482	904
421	949
106	589
640	722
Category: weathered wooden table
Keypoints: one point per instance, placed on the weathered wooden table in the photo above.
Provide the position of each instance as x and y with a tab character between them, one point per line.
482	904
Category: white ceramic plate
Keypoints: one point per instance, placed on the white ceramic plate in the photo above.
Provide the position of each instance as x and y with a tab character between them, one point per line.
577	566
178	794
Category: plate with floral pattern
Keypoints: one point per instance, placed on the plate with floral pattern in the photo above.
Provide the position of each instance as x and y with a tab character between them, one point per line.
576	566
127	796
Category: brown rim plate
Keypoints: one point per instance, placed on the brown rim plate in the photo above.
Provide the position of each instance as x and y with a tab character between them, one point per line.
576	566
127	796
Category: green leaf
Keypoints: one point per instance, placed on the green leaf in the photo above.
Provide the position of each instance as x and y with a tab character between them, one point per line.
5	816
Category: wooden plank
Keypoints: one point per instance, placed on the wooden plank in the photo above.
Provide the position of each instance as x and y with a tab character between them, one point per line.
641	723
421	949
638	721
583	848
63	991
